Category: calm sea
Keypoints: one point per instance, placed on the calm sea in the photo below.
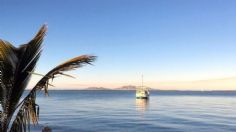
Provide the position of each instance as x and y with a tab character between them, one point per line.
119	111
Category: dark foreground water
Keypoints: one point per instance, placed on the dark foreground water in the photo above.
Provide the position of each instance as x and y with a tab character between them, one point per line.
119	111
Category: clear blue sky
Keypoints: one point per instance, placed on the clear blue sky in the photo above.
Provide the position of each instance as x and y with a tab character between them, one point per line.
166	40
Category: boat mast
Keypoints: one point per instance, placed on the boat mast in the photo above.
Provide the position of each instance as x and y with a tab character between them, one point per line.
142	80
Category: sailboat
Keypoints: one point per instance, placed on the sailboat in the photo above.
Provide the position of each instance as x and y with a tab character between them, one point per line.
142	92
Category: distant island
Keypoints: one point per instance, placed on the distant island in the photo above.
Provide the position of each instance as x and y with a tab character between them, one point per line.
126	87
96	88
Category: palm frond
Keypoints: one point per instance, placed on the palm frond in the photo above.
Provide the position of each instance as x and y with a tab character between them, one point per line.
28	55
29	110
16	63
71	64
9	60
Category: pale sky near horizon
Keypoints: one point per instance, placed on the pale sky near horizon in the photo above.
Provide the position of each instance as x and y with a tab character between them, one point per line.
173	43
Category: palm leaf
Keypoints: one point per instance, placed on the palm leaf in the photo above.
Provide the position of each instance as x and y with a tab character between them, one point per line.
66	66
29	110
16	63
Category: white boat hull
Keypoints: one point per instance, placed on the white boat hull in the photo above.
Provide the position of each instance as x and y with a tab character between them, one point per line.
142	94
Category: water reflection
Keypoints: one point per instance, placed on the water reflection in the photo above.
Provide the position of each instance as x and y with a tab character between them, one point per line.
142	105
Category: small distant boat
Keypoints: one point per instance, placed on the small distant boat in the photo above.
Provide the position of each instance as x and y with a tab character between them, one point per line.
142	92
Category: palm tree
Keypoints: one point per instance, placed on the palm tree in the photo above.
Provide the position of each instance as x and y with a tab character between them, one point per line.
16	67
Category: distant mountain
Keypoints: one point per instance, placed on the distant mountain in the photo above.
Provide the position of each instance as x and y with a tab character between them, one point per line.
130	87
96	88
127	87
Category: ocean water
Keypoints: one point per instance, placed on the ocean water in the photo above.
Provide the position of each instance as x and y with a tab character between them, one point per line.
119	111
